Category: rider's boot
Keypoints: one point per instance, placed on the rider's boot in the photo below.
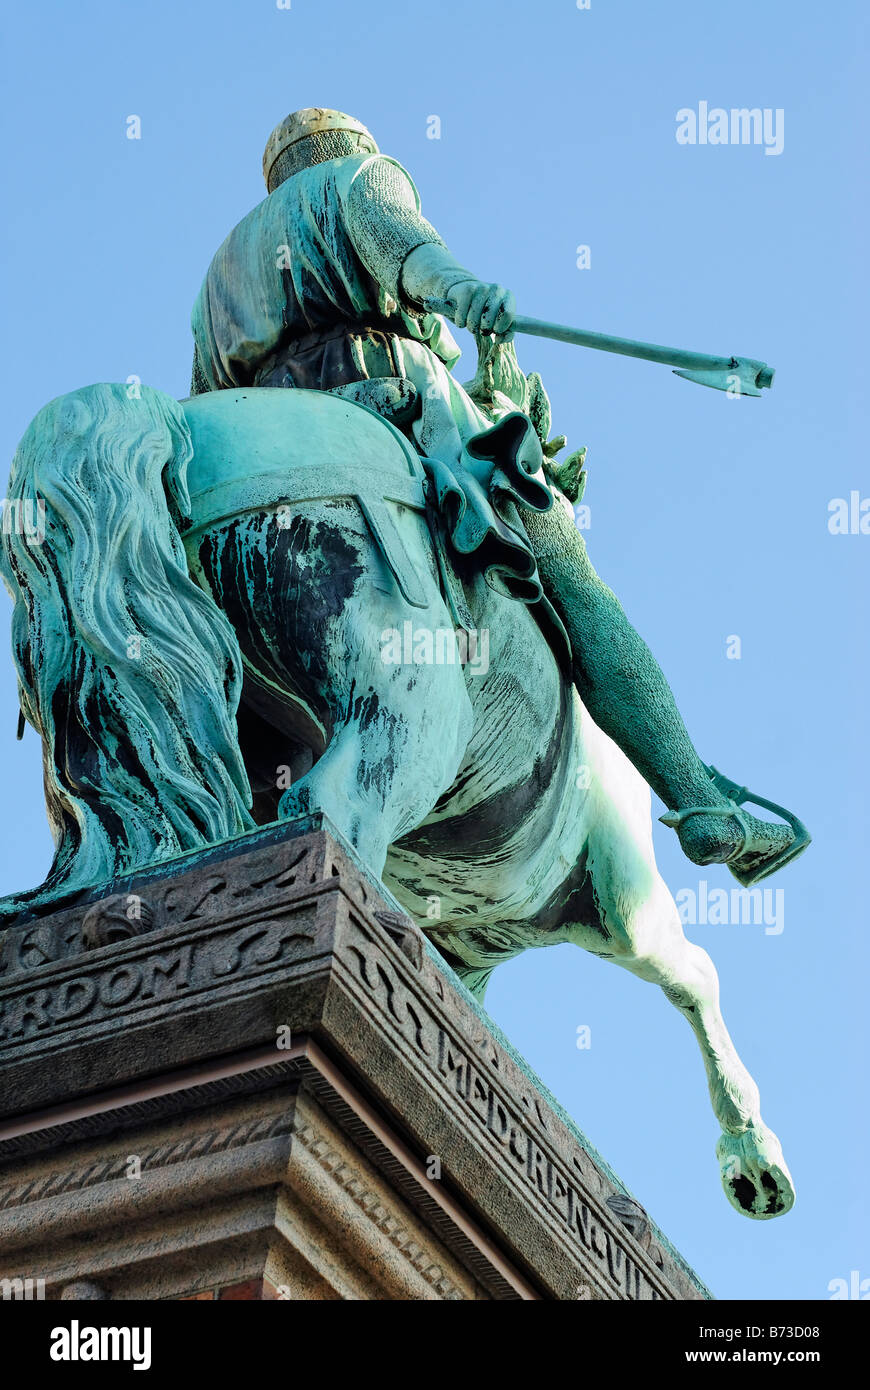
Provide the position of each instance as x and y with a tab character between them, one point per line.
720	831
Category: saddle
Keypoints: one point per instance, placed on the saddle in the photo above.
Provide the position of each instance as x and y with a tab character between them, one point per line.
258	448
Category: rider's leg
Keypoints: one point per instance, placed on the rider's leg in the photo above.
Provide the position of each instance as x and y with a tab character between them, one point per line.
625	691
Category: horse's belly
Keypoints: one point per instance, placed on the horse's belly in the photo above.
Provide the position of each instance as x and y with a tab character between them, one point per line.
508	832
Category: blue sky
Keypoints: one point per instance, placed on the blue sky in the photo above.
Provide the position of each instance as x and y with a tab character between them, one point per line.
708	516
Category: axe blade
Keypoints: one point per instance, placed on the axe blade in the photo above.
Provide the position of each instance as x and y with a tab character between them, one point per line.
742	377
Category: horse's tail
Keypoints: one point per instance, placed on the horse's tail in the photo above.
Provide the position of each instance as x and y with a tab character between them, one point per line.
127	670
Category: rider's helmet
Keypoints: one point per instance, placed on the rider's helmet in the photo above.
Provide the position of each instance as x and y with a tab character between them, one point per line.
309	137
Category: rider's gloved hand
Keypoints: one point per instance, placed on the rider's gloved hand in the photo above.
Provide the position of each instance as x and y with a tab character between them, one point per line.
482	308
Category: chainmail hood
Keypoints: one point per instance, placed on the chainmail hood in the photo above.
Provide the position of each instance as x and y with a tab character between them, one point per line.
309	137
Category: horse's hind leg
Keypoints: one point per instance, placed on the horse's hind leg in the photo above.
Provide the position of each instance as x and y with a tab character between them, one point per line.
399	731
640	929
325	623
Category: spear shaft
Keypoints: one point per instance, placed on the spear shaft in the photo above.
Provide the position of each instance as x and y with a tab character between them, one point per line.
742	376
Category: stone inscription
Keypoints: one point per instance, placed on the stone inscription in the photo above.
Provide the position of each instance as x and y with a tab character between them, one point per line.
102	991
486	1104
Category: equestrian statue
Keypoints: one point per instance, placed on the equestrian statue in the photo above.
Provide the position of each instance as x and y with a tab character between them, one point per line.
335	580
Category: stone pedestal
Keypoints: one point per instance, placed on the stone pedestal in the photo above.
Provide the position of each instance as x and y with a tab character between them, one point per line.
244	1075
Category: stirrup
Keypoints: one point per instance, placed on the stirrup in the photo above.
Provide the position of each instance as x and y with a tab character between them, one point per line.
738	796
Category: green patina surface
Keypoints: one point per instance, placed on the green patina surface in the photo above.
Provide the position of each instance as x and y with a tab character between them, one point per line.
337	581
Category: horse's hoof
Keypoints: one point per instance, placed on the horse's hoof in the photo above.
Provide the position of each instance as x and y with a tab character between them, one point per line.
754	1174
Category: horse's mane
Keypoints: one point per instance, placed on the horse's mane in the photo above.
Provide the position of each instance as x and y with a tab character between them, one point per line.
127	670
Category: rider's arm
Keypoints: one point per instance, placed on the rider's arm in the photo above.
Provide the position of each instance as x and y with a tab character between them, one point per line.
406	255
